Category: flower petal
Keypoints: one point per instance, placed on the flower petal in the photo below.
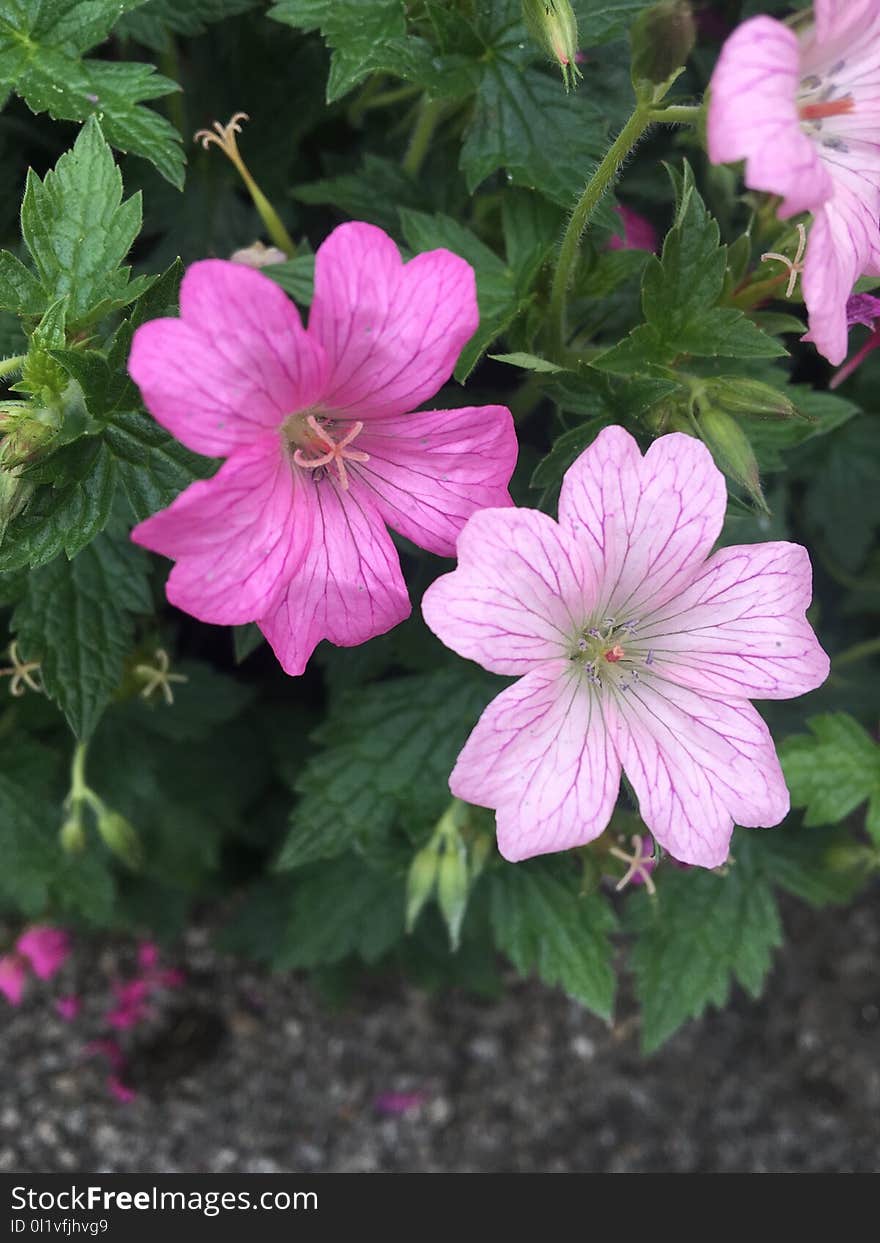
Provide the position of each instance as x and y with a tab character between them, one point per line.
519	596
541	756
392	332
753	116
233	366
739	630
349	587
428	472
698	765
237	538
646	524
13	978
837	17
47	949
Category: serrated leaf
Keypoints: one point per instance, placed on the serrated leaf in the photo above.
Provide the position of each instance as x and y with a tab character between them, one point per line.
542	923
341	907
78	230
152	467
358	33
41	50
296	277
20	291
77	620
833	770
703	930
157	20
386	753
843	500
527	362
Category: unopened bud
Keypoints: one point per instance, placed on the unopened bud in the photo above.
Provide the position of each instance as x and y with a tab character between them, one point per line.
662	39
738	395
420	883
452	888
553	25
732	451
73	835
849	857
119	834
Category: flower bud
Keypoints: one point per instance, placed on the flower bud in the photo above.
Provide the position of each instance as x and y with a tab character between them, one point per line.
732	451
662	39
119	834
738	395
420	882
553	25
452	887
73	835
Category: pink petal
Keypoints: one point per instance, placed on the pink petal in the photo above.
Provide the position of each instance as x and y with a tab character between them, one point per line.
349	588
46	949
392	333
233	366
148	955
428	472
541	756
698	765
520	595
68	1007
638	232
646	524
13	977
839	251
739	630
837	17
238	538
120	1090
753	116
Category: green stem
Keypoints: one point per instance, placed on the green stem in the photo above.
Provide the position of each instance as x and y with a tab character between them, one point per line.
383	99
430	114
527	398
169	63
78	787
860	651
269	216
583	213
678	114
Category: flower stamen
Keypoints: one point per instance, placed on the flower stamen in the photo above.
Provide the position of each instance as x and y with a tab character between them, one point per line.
25	674
640	864
827	108
795	266
159	677
336	452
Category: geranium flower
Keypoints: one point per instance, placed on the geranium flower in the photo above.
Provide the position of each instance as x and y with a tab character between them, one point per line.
321	443
804	114
633	651
638	232
862	309
45	948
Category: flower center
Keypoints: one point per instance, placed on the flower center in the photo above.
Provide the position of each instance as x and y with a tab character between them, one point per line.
316	448
830	108
820	98
609	653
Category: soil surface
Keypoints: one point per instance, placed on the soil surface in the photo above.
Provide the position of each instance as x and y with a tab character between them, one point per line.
242	1071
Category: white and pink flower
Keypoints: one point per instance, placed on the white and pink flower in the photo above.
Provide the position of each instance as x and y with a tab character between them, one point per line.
636	651
804	113
323	448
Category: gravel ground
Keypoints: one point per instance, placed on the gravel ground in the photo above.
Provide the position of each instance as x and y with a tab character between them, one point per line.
247	1072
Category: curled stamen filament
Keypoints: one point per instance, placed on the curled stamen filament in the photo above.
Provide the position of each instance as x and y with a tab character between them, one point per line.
337	451
639	865
795	266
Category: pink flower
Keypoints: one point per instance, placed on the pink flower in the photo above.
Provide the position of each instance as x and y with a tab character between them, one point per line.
148	955
131	1004
638	232
865	310
804	113
46	949
120	1090
322	448
13	977
633	651
68	1007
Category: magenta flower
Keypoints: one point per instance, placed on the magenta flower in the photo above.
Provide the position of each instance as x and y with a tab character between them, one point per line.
638	232
46	949
633	651
13	978
68	1007
865	310
322	448
804	113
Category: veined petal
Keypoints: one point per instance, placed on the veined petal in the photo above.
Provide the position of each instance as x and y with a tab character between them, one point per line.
428	472
541	755
520	593
753	116
698	765
233	366
645	524
838	17
237	538
349	587
392	332
739	630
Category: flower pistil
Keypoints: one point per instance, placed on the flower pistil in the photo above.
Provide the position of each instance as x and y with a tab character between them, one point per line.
329	452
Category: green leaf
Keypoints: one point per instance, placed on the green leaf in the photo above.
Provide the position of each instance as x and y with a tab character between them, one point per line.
601	20
20	291
386	754
77	620
497	293
296	277
702	931
542	923
152	467
833	770
360	34
843	500
339	908
157	20
79	231
41	49
527	362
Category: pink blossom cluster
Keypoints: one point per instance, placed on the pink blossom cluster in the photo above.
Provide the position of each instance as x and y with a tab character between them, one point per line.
41	950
